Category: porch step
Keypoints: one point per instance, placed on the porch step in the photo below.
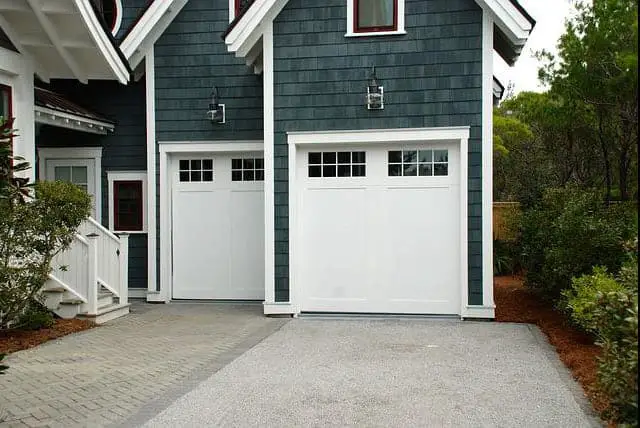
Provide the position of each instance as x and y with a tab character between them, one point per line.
105	298
52	297
68	308
107	313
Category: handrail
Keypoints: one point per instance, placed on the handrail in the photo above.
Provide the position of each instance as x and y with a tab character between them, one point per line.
108	287
103	229
81	239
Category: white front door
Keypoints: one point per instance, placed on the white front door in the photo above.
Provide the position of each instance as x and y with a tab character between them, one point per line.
218	226
379	229
80	172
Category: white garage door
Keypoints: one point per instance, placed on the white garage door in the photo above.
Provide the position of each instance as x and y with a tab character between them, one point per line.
379	229
218	226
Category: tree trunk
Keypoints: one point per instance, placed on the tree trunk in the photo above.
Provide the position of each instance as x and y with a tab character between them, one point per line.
605	156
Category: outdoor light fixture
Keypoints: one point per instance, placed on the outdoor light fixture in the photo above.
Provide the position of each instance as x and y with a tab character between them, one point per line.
216	110
375	92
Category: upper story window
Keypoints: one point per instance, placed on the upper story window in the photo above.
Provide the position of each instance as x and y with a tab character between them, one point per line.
111	11
375	17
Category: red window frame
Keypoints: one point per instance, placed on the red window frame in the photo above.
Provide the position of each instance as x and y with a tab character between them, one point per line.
236	7
138	226
358	29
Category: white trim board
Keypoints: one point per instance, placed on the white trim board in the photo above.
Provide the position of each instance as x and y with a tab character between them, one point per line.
373	137
60	119
487	161
166	150
150	117
118	12
113	176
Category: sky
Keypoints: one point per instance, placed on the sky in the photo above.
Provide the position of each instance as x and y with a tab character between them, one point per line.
550	16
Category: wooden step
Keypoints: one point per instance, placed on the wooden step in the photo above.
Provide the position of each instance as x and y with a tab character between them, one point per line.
105	298
107	313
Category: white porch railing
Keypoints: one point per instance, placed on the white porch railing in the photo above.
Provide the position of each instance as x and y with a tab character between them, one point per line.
96	258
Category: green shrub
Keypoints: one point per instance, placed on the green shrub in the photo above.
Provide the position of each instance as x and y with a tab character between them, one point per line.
616	321
35	317
506	257
568	233
582	297
32	233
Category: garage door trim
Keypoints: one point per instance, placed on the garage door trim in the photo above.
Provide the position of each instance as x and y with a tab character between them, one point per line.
400	136
166	151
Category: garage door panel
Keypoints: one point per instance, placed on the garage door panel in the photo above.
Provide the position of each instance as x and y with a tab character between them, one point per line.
200	219
217	229
336	243
247	244
409	224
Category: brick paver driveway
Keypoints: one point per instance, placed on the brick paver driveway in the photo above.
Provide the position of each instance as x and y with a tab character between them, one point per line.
105	375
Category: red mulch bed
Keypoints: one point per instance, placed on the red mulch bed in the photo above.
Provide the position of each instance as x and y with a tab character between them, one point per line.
16	340
515	303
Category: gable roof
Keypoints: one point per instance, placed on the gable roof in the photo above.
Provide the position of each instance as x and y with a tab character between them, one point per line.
150	25
512	21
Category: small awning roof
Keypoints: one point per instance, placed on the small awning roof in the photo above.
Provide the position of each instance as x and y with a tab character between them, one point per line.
55	110
65	39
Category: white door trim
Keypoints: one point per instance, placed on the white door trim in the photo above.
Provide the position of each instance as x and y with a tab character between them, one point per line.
68	153
167	149
297	140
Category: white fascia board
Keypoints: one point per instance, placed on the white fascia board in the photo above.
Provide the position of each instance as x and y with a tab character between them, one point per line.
102	41
149	28
509	19
249	29
454	133
47	116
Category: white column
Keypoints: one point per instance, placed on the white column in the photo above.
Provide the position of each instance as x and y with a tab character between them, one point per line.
124	268
487	164
92	265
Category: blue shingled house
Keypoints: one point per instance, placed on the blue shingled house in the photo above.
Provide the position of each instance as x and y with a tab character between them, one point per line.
329	156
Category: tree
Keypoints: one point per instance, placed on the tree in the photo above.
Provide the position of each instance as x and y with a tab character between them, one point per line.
596	71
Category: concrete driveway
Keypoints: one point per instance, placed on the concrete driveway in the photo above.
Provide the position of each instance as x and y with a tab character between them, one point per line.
385	373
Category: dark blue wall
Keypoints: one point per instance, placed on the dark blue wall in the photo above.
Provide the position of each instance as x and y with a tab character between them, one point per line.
124	150
432	77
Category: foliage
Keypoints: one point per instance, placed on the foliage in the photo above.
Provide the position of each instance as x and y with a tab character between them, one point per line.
607	307
31	234
35	317
506	257
584	292
615	318
568	233
11	185
596	73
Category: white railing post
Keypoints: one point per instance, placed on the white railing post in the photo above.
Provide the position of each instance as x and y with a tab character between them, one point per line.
92	289
124	267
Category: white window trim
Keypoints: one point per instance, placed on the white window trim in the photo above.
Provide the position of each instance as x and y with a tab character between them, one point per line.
232	10
63	153
351	22
373	137
112	177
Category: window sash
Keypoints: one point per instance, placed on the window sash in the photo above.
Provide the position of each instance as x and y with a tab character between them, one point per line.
368	8
132	219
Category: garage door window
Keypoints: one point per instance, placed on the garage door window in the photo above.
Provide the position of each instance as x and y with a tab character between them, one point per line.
422	162
247	169
196	169
337	164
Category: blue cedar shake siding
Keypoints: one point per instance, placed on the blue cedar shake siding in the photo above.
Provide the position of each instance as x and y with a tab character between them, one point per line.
432	77
190	59
124	150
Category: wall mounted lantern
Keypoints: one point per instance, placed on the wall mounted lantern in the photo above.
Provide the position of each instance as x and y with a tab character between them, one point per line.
216	113
375	93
